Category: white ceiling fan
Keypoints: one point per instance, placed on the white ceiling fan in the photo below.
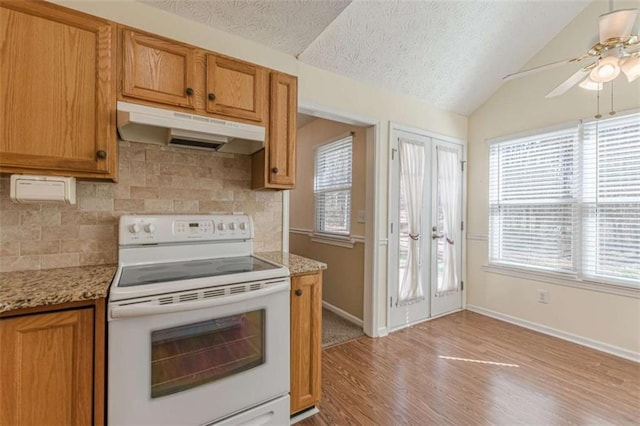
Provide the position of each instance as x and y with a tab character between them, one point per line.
618	49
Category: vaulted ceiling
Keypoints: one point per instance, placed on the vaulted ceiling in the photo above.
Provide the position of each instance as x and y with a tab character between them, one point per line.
450	54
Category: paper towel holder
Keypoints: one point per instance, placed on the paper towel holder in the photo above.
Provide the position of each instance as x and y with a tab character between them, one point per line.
37	189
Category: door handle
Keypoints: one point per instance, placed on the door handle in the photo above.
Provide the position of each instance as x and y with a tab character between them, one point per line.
435	235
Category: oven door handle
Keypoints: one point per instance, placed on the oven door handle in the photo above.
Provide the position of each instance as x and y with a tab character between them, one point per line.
151	308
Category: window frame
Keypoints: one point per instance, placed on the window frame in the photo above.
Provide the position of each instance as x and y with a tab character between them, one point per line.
578	277
321	235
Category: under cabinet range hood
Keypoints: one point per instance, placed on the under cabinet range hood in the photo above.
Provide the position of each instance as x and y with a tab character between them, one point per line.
140	123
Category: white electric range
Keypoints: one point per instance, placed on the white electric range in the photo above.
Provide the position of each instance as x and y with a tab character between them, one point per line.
198	326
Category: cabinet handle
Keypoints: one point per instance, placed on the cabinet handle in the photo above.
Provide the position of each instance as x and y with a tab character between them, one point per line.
101	154
275	170
189	91
211	96
299	292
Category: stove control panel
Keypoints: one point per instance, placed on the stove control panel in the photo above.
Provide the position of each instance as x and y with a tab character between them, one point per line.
159	229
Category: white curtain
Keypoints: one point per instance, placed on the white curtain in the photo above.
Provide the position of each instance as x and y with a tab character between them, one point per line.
412	169
449	191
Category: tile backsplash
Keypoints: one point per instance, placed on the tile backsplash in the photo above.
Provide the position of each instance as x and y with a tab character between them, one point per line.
151	179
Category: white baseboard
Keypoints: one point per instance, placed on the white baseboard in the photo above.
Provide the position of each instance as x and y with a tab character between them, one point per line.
382	332
341	313
593	344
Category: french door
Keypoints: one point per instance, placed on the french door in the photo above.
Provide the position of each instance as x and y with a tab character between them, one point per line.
425	243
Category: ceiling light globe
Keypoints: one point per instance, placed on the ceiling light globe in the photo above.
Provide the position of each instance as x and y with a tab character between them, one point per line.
631	67
589	84
606	70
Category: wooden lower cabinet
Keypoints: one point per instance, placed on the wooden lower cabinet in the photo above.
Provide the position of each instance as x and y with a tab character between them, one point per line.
306	340
52	367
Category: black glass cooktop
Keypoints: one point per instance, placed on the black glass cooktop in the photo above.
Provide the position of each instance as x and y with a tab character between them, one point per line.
185	270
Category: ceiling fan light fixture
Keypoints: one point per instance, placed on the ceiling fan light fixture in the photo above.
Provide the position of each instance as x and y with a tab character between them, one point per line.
616	26
606	70
589	84
631	67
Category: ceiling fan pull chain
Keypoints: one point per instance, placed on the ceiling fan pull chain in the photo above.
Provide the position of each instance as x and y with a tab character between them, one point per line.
612	112
598	115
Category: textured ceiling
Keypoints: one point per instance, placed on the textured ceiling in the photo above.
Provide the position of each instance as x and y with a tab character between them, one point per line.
285	25
451	54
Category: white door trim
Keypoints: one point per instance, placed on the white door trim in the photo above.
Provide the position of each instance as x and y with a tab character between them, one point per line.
373	241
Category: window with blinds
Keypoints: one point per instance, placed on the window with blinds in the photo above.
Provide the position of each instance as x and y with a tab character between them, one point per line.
568	200
611	198
332	187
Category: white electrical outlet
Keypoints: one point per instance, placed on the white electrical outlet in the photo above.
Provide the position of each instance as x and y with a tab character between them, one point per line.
543	296
361	216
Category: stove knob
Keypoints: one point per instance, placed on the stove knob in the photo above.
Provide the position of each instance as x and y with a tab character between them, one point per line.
222	226
243	226
134	229
232	226
150	228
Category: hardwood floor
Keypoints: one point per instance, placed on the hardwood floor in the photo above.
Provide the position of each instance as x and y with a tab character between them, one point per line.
466	368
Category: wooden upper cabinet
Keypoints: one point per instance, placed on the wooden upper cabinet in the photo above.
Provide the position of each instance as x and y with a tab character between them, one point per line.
157	70
282	131
306	340
57	91
235	88
46	365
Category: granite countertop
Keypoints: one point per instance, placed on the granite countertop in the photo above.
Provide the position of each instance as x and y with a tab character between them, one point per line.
29	289
297	264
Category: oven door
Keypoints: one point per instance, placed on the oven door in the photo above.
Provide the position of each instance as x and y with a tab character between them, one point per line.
196	360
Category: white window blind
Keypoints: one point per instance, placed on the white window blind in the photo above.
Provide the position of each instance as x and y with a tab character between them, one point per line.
611	195
332	187
568	200
533	203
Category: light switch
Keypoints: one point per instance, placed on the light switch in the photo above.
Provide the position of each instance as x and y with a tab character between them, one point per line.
361	216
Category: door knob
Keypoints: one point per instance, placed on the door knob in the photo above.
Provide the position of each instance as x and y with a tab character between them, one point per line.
435	236
299	292
275	170
189	91
101	154
211	96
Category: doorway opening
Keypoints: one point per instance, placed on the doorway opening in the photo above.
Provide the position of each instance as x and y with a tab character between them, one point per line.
349	255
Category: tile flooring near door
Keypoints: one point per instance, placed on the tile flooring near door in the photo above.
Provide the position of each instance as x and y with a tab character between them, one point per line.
466	368
336	330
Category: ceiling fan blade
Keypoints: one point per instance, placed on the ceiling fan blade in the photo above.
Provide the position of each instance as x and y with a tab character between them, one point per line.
543	68
570	82
617	25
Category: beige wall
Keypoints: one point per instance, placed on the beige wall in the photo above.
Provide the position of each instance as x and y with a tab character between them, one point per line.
315	86
152	179
344	278
519	106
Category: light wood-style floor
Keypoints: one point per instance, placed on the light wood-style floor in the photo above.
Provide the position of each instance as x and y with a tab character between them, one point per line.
466	368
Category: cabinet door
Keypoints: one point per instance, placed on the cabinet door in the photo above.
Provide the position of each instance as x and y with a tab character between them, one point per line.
281	155
235	88
57	91
157	70
46	365
306	340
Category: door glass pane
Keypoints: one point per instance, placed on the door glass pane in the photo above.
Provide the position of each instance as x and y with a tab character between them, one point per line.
412	172
439	241
194	354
